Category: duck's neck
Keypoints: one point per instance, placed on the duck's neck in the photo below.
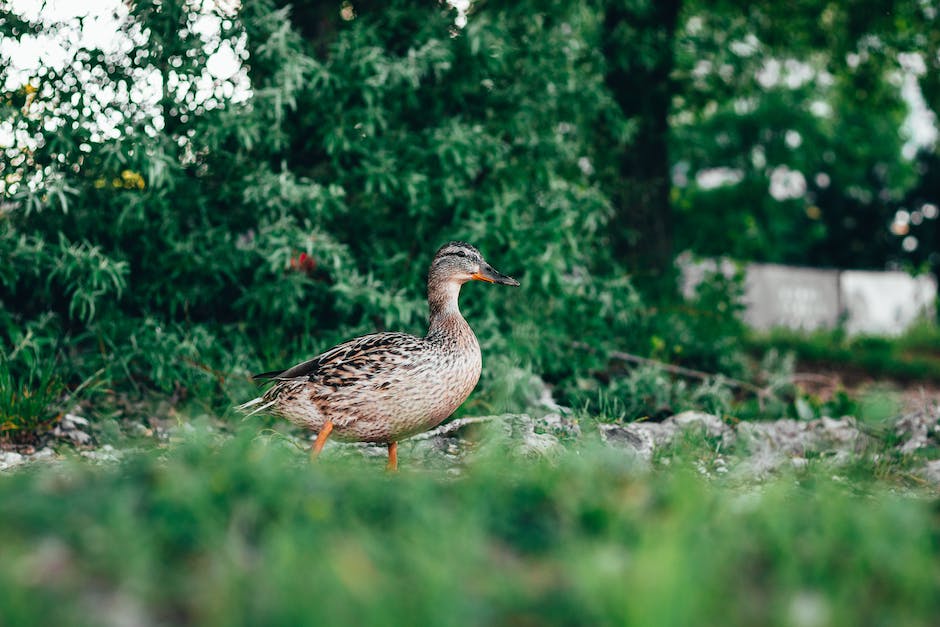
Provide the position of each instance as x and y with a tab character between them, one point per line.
445	313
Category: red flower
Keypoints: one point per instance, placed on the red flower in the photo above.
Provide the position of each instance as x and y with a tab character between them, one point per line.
303	263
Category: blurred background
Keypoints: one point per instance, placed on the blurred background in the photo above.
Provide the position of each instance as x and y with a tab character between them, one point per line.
193	191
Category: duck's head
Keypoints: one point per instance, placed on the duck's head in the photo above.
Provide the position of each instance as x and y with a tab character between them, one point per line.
460	262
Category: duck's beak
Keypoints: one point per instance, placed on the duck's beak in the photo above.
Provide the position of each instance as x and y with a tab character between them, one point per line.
489	274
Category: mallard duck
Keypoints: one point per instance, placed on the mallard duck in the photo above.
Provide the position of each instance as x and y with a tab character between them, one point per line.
385	387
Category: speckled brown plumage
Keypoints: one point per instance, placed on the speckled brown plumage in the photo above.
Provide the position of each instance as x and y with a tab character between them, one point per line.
387	386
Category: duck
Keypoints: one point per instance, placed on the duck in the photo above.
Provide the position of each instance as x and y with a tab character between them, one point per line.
385	387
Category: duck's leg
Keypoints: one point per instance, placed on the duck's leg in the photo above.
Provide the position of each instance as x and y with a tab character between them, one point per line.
392	465
325	431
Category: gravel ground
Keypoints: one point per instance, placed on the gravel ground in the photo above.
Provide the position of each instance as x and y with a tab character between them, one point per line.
751	450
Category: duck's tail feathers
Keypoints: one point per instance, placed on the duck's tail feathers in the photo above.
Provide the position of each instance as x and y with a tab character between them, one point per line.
244	407
267	375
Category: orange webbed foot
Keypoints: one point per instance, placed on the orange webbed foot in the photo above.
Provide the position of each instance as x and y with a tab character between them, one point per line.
321	440
392	465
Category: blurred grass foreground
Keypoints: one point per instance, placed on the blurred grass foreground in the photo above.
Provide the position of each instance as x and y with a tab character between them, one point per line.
245	532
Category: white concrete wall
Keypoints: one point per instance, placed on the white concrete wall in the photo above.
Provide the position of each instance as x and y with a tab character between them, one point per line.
877	303
886	302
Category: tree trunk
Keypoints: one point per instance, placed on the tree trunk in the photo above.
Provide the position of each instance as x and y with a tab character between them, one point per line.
638	40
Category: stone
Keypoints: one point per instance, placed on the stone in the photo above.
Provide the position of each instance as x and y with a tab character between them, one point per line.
71	427
931	472
770	445
107	454
560	424
710	425
10	459
630	437
643	438
918	429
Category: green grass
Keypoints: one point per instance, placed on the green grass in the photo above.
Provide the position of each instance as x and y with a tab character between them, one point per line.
913	356
34	396
245	531
28	401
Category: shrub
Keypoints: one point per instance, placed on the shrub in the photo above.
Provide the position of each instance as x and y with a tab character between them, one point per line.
183	241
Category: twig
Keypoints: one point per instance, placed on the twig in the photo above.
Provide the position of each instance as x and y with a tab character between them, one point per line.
218	374
813	378
679	370
758	391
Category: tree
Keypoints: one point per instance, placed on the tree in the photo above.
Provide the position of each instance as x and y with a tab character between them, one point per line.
638	43
798	106
165	247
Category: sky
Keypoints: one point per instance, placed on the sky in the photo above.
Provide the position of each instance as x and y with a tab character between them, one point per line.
100	30
223	77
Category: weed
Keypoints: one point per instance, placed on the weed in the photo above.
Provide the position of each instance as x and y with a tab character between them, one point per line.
29	399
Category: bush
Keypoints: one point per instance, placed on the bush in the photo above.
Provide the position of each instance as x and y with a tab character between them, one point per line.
184	241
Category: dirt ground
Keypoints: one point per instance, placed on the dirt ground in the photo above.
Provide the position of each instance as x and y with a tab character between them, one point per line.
824	382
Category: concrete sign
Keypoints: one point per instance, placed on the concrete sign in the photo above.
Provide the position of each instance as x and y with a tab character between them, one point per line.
795	298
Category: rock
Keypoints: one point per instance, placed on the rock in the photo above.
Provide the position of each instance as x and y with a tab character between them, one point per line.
73	421
522	434
560	424
105	454
453	427
711	426
630	437
644	437
796	438
43	455
532	441
799	462
770	445
70	427
10	459
931	472
918	429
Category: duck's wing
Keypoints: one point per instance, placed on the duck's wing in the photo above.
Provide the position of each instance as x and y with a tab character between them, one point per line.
351	362
293	372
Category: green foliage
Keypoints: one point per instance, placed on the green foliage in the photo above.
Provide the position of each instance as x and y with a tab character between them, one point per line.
913	356
28	401
705	329
246	532
36	387
648	392
160	237
807	91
